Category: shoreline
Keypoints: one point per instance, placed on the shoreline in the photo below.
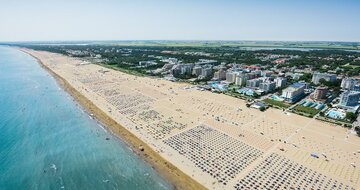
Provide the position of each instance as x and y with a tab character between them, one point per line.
170	119
177	178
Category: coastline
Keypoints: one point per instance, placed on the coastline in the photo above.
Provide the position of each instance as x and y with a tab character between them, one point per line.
177	178
169	118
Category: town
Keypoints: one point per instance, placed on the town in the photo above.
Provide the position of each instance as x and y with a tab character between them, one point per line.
321	84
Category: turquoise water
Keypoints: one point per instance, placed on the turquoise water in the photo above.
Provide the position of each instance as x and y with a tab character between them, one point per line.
48	142
335	114
320	106
277	98
311	104
246	91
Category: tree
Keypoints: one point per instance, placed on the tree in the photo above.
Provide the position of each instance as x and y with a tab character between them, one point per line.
323	82
350	116
262	108
306	77
357	129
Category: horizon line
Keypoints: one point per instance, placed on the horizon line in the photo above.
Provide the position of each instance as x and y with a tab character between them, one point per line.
180	40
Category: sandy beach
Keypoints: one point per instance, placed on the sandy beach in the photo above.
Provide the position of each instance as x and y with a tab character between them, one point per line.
198	139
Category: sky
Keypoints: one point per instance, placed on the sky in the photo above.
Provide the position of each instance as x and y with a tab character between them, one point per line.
270	20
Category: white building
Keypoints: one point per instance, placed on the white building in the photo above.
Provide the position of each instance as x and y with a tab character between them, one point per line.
146	63
230	77
267	86
206	72
294	92
280	82
348	83
326	76
182	69
197	71
241	79
253	83
167	66
220	74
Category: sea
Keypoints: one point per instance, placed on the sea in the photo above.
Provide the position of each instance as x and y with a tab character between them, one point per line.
48	142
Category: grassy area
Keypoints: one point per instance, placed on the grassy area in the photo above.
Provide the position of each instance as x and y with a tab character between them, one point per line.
233	88
128	71
351	66
276	103
311	112
337	122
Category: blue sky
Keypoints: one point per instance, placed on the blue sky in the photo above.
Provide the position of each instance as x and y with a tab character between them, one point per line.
280	20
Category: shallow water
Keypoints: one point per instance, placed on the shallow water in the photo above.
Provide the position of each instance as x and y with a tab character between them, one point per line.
48	142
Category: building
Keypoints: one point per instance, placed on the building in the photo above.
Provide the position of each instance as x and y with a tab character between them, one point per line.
295	76
146	63
320	93
326	76
349	98
279	61
230	77
280	82
170	60
257	73
267	86
253	83
206	62
182	69
356	88
266	73
186	68
206	72
197	70
251	75
222	66
348	83
220	74
167	66
294	92
241	79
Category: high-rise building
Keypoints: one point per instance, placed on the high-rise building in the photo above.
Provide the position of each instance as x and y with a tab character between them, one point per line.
294	92
230	76
182	69
348	83
326	76
253	83
220	74
320	93
349	98
241	79
206	72
356	88
280	82
167	66
197	71
267	86
306	84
